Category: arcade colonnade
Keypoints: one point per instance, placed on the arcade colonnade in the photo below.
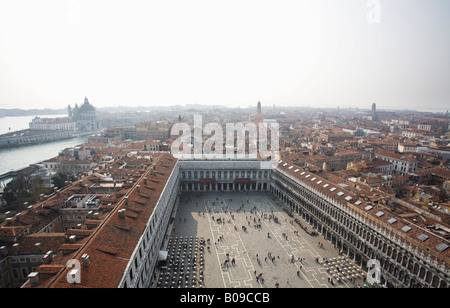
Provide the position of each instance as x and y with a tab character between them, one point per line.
196	176
357	237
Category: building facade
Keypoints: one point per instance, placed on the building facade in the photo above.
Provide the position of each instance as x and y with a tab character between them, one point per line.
403	164
52	124
404	259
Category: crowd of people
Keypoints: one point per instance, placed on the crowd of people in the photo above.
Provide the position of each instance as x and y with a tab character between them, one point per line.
222	216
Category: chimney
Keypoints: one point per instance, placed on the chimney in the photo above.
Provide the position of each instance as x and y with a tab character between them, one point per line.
86	260
34	278
37	248
9	221
126	200
139	188
3	251
145	180
48	257
15	248
122	214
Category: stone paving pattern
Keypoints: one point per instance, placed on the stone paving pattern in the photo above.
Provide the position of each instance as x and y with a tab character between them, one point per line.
281	251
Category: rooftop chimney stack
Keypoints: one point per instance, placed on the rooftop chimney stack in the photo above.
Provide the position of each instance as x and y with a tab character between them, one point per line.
34	278
122	214
15	248
48	257
3	251
37	248
86	260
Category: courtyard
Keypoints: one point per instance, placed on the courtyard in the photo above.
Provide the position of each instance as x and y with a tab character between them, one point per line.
248	240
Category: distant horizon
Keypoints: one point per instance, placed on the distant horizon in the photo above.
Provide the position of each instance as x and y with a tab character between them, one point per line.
211	106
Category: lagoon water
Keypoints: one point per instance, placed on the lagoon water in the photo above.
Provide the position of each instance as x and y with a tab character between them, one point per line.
17	158
11	124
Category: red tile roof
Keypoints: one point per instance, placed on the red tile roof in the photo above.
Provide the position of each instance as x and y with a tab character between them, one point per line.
428	246
111	245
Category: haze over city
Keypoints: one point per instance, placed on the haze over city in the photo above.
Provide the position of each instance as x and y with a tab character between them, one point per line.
233	53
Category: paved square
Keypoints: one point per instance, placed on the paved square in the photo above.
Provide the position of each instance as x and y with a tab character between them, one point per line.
249	242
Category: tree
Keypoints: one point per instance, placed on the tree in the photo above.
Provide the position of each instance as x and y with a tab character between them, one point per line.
36	189
24	188
60	179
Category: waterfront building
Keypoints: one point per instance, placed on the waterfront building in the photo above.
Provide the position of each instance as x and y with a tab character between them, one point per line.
65	123
28	136
69	165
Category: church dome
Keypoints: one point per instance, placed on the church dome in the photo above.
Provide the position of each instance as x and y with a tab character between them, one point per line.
86	107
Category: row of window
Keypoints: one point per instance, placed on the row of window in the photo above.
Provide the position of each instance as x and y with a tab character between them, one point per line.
356	234
154	233
233	174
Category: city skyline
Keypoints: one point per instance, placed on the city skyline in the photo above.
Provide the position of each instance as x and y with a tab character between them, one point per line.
289	53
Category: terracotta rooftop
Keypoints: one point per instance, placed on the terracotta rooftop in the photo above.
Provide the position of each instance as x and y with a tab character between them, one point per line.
397	156
380	215
111	244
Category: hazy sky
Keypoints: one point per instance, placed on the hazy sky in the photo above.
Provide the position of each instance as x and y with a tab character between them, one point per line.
324	53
